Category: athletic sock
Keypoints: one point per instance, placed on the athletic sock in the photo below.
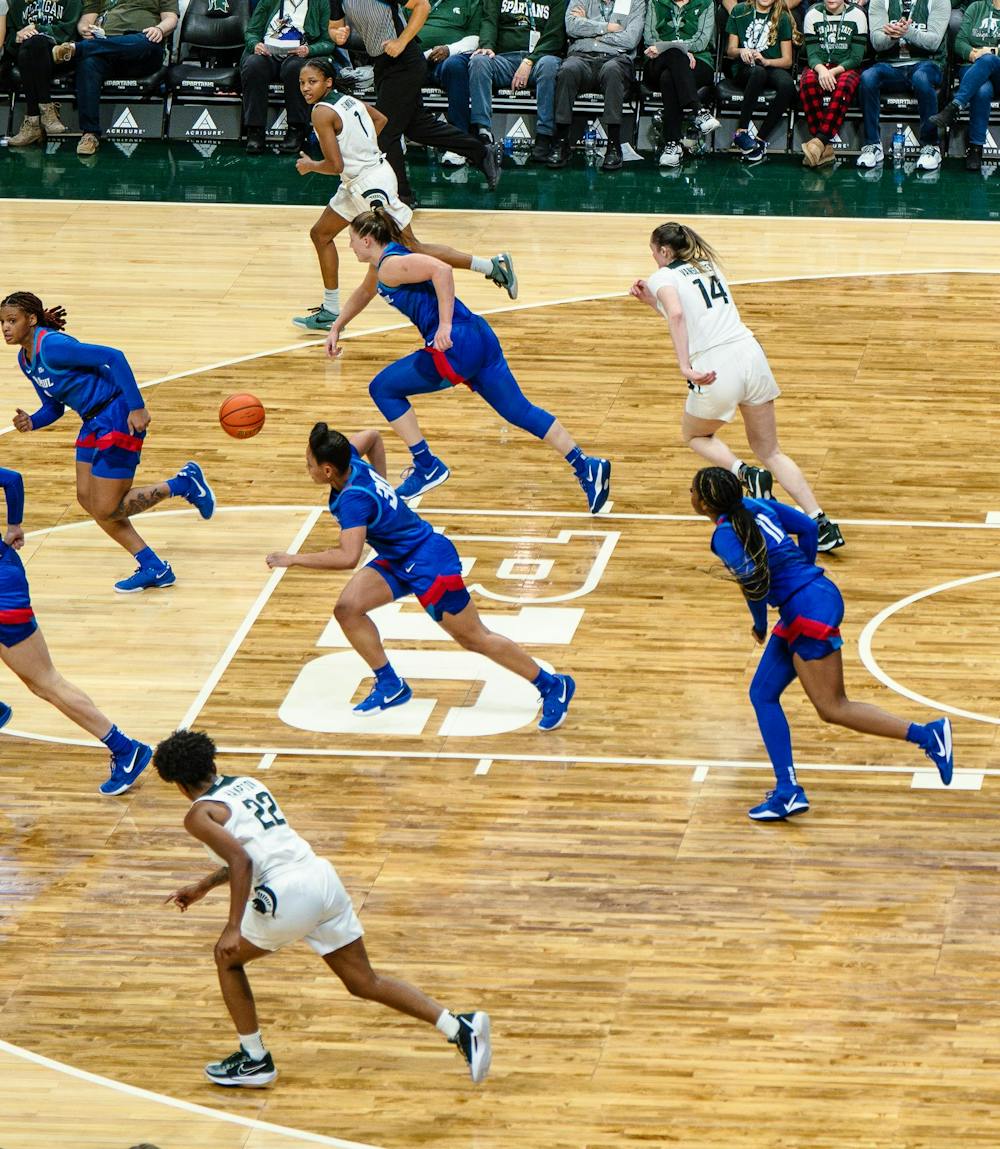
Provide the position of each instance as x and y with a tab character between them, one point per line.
147	558
448	1024
179	485
331	299
577	460
385	675
737	467
614	134
481	264
422	456
253	1045
116	741
818	515
543	682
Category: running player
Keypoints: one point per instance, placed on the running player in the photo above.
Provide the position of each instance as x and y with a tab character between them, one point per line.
281	892
460	347
97	383
23	649
752	540
725	368
412	559
347	130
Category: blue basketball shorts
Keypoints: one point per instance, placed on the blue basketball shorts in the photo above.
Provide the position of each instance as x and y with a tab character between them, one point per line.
106	443
17	619
433	572
810	620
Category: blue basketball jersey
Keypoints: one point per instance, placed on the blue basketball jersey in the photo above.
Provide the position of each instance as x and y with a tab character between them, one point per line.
418	301
391	528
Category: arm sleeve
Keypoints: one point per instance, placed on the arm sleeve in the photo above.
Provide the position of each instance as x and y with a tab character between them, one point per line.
64	29
729	548
13	489
552	41
878	15
649	31
64	355
254	34
356	509
805	529
488	28
584	27
859	43
963	43
938	14
50	410
630	35
814	50
704	34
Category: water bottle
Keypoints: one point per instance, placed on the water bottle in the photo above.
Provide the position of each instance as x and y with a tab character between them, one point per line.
508	145
898	146
590	140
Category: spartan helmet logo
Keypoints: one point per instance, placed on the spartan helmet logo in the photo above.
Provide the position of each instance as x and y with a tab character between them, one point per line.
265	900
218	8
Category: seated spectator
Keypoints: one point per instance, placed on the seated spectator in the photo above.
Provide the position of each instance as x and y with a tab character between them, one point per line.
759	43
977	43
451	34
280	37
680	59
521	43
602	36
836	36
118	39
3	26
909	38
34	28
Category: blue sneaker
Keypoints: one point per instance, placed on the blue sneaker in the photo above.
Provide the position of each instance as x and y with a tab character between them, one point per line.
744	142
5	714
555	704
385	697
940	749
777	807
146	578
126	768
417	480
200	495
757	154
595	478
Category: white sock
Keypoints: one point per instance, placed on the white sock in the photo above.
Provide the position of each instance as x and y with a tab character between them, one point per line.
253	1045
448	1024
331	299
482	265
817	514
735	468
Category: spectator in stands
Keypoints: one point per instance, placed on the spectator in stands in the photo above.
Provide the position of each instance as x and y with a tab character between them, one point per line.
280	37
603	36
119	38
3	26
450	36
836	36
34	27
400	72
759	42
521	43
680	59
977	44
909	38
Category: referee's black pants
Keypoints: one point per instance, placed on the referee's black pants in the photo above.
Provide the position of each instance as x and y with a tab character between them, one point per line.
398	84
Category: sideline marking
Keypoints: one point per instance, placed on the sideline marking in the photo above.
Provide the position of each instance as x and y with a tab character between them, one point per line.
700	774
267	761
483	766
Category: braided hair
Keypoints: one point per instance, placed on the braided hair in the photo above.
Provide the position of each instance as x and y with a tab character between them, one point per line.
54	317
379	224
722	493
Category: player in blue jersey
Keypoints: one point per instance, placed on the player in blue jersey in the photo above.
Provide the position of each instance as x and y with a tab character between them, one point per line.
412	558
460	347
23	649
97	383
752	540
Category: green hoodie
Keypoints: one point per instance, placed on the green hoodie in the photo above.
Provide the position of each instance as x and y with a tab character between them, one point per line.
980	29
56	19
316	30
507	27
689	26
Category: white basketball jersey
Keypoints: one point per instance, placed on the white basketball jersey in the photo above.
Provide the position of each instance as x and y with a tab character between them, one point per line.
257	823
357	138
711	316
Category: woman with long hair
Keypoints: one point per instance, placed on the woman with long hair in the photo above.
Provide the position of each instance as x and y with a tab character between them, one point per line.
759	39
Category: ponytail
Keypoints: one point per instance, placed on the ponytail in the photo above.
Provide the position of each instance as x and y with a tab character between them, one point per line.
379	224
329	446
722	493
686	244
54	317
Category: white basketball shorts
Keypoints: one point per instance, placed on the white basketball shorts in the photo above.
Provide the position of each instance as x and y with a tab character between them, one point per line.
742	375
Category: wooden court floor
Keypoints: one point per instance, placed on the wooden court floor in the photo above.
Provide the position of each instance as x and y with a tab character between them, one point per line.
659	970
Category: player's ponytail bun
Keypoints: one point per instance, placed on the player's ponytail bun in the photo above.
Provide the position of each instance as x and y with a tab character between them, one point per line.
329	446
379	224
53	317
686	244
721	492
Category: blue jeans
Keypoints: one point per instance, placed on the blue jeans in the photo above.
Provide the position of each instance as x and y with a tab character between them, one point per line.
487	73
453	76
923	78
976	92
131	55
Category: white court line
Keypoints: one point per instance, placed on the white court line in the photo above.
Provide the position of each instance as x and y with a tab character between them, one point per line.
483	766
700	774
176	1103
267	761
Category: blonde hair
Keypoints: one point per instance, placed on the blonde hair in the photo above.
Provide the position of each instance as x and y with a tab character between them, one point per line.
686	244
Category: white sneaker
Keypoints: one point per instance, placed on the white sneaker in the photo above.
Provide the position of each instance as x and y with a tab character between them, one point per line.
871	156
929	159
671	156
453	160
705	122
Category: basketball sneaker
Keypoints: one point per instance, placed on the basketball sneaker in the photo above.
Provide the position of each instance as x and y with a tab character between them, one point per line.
418	480
555	704
758	482
777	807
6	713
503	275
594	476
200	495
704	121
241	1069
939	748
318	319
146	578
829	536
473	1041
126	768
384	697
744	142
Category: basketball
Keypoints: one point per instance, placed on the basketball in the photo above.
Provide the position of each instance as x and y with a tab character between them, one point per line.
242	416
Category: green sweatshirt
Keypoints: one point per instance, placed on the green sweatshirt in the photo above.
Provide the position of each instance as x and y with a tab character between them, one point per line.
56	19
316	26
123	16
507	27
752	29
690	27
980	29
451	21
836	41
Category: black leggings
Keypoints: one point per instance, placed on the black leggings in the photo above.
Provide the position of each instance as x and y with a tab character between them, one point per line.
34	62
672	76
753	81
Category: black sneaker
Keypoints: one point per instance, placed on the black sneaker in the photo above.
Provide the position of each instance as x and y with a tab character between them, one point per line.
829	535
947	116
489	165
613	159
560	155
758	482
256	142
974	158
473	1040
542	149
241	1069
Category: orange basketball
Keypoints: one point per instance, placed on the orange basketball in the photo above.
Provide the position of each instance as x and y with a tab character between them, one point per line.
242	416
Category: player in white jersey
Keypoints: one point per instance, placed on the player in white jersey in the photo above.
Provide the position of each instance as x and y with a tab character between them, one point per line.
725	367
279	892
347	130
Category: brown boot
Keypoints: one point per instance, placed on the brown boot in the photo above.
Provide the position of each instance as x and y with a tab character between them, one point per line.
812	149
30	132
89	143
63	53
827	157
51	124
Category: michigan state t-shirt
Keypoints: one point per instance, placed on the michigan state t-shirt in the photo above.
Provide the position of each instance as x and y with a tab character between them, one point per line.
752	29
118	17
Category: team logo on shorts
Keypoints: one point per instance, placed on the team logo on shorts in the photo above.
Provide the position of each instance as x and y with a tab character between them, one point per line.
376	197
265	900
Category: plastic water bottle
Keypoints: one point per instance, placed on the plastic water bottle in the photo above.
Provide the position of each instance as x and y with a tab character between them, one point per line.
590	140
898	146
508	145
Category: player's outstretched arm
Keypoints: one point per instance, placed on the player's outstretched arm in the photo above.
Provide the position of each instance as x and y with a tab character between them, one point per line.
343	557
204	821
359	299
370	444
